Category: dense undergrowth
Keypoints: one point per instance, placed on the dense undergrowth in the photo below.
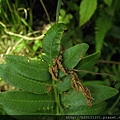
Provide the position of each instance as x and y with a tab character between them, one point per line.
93	22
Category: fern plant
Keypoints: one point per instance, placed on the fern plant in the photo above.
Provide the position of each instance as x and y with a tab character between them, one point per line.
52	85
101	29
106	14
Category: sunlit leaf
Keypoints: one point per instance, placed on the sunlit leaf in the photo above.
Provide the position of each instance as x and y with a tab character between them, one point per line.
87	9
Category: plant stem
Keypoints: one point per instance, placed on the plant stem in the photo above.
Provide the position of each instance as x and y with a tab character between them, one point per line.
10	9
45	11
56	97
58	10
109	62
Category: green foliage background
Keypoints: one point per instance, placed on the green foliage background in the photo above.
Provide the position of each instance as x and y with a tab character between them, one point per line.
95	22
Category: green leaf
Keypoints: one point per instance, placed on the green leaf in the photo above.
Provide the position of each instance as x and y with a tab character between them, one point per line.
72	98
30	68
87	63
14	112
40	115
87	9
94	82
21	101
51	42
16	79
100	93
66	41
96	109
101	29
74	54
64	85
108	2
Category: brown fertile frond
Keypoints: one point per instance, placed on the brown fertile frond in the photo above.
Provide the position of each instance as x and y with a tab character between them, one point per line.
77	86
86	93
60	65
76	83
56	66
52	72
